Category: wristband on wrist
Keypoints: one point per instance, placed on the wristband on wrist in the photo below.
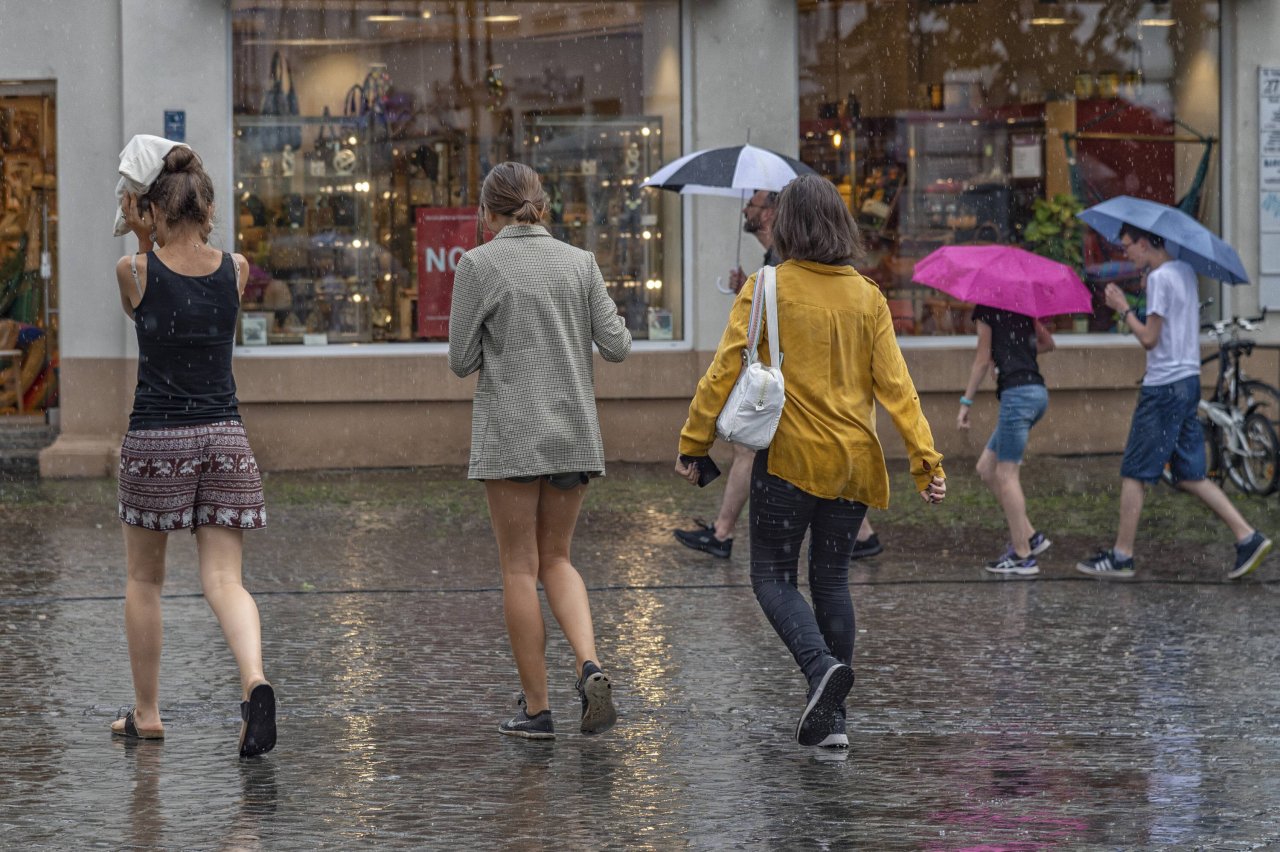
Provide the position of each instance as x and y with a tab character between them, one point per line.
965	401
1125	315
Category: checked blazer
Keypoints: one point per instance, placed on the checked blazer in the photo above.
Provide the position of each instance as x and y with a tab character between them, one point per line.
526	309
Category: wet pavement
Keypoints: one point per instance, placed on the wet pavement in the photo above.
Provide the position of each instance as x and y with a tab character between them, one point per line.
1055	713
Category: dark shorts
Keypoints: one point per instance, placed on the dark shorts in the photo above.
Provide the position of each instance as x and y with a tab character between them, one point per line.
1166	430
563	481
190	476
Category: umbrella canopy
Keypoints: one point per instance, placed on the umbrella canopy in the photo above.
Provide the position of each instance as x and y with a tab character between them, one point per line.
1185	238
728	171
1005	277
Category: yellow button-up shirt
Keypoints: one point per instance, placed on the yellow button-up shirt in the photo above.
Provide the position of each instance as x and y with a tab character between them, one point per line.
839	356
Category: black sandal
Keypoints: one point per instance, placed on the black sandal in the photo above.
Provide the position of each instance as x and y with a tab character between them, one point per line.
258	721
131	730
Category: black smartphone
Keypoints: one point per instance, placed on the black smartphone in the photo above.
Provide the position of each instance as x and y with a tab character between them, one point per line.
707	469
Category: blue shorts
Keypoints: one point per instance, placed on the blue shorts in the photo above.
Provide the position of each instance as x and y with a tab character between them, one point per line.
1021	408
1166	430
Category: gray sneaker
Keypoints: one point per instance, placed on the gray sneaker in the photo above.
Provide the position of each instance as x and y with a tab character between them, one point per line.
536	727
596	692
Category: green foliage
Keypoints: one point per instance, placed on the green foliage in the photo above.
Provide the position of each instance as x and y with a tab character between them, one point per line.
1055	232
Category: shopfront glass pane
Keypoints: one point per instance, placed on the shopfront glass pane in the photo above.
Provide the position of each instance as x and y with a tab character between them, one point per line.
942	123
364	128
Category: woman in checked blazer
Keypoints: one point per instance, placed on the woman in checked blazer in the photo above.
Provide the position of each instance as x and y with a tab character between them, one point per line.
526	309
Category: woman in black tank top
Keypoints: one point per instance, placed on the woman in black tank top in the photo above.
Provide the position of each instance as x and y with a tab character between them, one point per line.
185	461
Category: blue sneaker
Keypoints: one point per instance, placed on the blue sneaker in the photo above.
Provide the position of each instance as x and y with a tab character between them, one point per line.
1107	565
1249	554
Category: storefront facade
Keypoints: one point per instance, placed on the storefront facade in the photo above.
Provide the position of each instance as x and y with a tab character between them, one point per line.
349	139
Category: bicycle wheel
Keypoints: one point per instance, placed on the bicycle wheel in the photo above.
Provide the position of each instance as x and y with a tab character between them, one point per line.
1255	471
1265	397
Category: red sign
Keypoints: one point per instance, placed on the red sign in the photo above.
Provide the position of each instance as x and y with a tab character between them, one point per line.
444	233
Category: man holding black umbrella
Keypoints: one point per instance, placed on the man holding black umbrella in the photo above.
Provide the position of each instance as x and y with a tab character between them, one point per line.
1165	428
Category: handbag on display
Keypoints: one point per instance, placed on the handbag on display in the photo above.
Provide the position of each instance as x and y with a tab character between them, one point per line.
751	413
279	102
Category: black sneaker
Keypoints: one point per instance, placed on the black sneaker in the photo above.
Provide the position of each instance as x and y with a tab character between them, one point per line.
1106	564
1014	565
596	692
1249	553
1039	544
870	546
704	539
838	738
537	727
817	722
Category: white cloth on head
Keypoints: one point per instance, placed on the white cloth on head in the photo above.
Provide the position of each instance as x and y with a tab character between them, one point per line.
141	162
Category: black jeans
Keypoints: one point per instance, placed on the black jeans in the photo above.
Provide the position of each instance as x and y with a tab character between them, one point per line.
781	513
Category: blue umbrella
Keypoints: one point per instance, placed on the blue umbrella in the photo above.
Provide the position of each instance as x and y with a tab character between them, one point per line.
1185	238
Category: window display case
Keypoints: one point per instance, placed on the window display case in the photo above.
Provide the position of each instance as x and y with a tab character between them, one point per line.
307	222
593	169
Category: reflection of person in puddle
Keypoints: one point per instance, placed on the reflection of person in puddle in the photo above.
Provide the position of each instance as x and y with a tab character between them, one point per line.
186	461
146	817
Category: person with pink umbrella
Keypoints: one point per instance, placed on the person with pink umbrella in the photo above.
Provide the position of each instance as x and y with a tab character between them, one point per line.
1012	289
1008	342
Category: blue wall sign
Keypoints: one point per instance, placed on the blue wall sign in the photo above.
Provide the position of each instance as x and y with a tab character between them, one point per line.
175	125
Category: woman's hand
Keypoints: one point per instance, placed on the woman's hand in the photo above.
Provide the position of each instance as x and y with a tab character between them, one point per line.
962	419
936	491
688	471
136	222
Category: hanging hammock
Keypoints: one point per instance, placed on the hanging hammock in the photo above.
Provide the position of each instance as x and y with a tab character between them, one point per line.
1082	189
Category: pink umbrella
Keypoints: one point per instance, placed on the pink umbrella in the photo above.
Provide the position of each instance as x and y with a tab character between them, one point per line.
1005	277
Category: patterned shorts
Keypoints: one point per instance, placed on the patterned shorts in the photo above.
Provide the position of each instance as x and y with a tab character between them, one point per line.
190	476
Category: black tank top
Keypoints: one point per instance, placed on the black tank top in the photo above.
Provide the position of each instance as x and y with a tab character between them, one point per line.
186	328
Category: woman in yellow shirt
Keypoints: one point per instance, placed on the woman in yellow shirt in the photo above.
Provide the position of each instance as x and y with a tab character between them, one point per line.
825	465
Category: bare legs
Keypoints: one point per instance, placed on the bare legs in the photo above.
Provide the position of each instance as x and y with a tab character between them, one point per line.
737	488
143	626
533	523
1133	494
1003	480
220	560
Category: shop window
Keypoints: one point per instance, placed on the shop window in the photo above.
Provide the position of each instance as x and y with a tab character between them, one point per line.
948	122
364	128
28	249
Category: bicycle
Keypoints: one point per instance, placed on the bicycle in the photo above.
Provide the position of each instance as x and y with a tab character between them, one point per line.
1240	439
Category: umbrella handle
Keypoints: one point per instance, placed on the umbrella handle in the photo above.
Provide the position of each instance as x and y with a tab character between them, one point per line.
728	291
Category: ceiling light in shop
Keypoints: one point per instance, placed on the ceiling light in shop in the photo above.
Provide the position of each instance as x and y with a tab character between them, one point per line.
387	19
1157	22
501	19
1048	21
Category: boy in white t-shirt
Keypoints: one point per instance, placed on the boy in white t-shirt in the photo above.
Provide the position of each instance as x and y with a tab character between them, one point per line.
1165	428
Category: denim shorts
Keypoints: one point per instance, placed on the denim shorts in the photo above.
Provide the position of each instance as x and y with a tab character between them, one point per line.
1021	407
1166	430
